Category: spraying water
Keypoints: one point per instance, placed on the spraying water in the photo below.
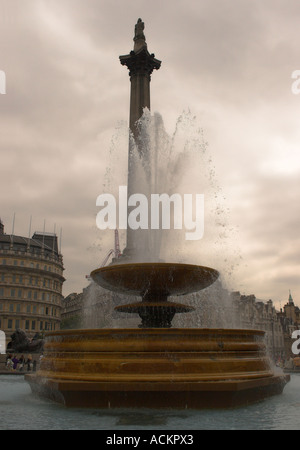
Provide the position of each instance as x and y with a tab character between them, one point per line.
167	164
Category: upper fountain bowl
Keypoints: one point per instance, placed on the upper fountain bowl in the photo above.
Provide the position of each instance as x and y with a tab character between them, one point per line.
167	279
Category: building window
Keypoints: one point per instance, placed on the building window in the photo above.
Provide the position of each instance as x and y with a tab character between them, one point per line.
29	293
34	309
4	261
28	308
11	307
1	292
17	323
33	325
18	308
12	293
26	324
9	324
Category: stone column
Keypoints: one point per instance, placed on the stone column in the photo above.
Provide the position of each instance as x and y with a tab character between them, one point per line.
140	64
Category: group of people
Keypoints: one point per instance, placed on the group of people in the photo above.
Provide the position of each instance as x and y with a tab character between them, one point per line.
21	364
292	363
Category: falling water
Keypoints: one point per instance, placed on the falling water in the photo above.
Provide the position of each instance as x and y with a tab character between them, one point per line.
179	163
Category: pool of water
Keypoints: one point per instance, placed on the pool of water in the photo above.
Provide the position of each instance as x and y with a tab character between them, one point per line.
21	410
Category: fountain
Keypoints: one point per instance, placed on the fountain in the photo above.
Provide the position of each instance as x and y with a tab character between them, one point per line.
155	282
155	365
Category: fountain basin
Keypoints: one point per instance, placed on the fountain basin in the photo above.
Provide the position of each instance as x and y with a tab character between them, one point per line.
155	282
159	279
156	368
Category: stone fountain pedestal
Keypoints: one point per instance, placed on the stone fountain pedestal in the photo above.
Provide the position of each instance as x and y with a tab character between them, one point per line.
158	367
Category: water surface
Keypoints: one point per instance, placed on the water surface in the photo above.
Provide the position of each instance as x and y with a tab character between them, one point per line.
21	410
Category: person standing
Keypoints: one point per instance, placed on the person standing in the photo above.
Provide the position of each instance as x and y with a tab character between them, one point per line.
29	362
15	363
21	363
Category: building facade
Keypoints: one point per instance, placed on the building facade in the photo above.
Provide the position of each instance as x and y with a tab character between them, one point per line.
72	311
290	321
31	280
256	314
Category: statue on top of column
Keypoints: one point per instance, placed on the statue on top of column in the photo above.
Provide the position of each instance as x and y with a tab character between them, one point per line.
139	37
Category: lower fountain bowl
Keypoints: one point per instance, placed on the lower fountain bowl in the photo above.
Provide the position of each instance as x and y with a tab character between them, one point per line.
156	368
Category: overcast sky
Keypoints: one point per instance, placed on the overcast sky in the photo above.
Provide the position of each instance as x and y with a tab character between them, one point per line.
228	62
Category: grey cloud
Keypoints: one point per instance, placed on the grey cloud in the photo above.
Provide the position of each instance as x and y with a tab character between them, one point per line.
230	62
